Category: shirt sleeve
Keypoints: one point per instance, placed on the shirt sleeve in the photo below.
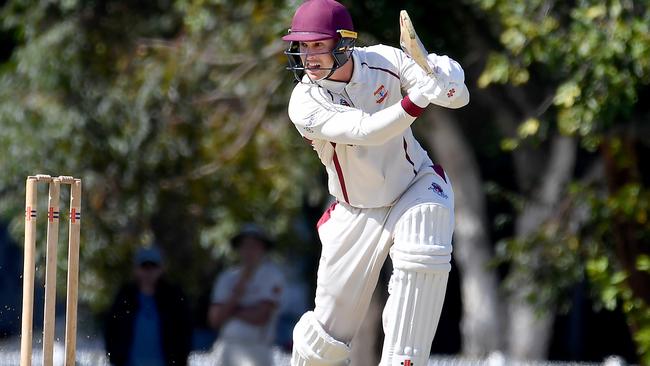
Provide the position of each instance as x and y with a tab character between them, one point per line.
275	286
409	72
221	289
317	117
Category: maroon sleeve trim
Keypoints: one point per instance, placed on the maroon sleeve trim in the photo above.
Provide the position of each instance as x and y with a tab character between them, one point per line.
411	108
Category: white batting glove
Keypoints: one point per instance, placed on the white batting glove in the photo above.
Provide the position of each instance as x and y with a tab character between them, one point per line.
446	69
426	91
445	88
451	80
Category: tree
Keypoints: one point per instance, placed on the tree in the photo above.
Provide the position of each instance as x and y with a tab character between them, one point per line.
174	115
591	61
559	81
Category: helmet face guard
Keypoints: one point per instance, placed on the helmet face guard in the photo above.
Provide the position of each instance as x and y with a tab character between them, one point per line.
341	54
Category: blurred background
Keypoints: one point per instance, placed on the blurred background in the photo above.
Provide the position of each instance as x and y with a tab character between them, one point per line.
174	114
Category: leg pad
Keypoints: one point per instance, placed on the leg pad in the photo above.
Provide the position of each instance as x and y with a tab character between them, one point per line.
421	257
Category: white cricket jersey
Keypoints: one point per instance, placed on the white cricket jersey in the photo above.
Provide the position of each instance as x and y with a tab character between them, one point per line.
360	130
266	284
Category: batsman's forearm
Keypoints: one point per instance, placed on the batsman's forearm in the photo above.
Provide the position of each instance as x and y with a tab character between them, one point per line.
356	127
220	313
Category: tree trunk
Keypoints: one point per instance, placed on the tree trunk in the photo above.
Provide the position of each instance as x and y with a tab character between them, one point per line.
529	329
482	314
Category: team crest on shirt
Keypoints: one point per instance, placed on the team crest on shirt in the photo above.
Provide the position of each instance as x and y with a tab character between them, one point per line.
438	190
344	102
380	94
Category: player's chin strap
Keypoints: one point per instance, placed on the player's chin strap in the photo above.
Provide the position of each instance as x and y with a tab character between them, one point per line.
341	53
421	258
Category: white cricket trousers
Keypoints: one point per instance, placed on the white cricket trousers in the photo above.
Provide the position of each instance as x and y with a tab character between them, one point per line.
355	244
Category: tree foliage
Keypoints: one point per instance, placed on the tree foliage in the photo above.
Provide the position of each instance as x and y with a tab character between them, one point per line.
174	115
595	58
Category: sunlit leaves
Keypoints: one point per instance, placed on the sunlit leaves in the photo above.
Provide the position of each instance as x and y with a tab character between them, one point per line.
598	48
528	128
567	94
643	263
628	206
595	56
497	70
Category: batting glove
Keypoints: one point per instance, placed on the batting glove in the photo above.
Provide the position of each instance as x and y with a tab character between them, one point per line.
426	91
446	69
451	79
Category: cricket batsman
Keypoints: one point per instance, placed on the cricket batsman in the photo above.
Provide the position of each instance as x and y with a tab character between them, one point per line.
355	106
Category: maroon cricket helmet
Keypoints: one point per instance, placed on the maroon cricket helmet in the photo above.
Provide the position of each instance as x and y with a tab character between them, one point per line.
316	20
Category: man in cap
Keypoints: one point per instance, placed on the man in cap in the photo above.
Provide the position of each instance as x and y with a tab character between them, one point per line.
149	323
245	301
390	197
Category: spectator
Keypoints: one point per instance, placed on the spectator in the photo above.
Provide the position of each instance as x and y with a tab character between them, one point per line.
149	323
245	302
